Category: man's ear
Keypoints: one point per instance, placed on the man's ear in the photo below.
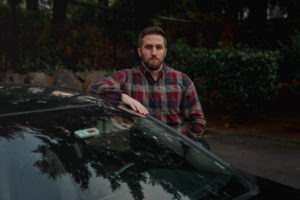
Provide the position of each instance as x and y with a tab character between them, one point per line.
139	52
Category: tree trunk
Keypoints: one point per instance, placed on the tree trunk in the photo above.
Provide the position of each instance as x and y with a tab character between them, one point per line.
32	5
59	18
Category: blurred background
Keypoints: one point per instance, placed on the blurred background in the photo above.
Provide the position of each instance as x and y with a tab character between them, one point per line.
243	55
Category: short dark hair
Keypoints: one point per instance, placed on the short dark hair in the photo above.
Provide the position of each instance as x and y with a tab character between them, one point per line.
151	30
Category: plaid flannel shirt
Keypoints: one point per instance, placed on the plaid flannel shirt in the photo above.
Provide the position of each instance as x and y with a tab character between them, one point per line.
172	98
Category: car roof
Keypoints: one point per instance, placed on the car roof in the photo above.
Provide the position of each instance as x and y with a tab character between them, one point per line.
19	99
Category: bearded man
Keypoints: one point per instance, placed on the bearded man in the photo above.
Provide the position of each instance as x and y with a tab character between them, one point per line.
155	89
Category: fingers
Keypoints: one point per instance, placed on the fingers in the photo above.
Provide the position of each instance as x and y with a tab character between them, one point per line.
137	106
134	104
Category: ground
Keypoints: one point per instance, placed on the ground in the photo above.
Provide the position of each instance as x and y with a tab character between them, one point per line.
280	125
281	119
267	145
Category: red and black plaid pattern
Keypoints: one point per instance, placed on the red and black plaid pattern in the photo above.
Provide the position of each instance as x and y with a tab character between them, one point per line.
172	98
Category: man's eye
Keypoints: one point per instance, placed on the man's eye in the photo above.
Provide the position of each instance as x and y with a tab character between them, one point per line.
148	47
159	47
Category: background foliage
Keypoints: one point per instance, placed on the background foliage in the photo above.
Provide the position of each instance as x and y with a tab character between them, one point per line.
237	52
237	80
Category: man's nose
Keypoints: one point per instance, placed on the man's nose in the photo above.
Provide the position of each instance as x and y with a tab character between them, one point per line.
154	51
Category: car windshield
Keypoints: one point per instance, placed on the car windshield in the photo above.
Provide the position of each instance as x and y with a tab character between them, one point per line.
99	153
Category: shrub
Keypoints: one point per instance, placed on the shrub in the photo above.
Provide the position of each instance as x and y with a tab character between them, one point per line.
290	59
239	80
44	60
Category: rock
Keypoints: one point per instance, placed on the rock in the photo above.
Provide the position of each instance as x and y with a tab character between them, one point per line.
66	79
12	78
88	77
60	78
37	78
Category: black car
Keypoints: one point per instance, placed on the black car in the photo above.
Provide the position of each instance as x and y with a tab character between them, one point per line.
66	144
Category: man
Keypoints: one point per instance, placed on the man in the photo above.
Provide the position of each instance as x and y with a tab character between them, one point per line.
155	88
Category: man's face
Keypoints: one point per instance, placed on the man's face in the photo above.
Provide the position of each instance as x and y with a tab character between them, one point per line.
153	51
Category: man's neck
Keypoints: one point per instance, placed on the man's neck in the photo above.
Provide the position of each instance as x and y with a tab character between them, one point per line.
156	73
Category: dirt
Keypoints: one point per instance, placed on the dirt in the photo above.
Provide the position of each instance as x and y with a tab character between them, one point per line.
280	119
280	125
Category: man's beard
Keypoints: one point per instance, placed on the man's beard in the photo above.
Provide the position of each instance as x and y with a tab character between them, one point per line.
152	64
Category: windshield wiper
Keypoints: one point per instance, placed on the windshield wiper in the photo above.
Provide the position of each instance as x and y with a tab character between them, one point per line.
120	171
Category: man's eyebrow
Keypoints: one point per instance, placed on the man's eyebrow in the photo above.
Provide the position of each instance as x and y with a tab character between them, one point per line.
148	45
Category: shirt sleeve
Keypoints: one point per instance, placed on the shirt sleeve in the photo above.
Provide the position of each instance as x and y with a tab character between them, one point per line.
193	112
110	87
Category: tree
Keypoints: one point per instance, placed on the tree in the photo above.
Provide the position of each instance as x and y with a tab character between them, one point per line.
32	5
59	18
13	50
290	7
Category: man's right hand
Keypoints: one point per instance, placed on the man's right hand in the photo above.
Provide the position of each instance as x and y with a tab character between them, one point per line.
134	104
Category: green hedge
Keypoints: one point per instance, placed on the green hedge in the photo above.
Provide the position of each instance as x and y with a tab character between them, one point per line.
290	59
238	80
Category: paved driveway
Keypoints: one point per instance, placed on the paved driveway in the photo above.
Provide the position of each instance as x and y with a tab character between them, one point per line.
272	159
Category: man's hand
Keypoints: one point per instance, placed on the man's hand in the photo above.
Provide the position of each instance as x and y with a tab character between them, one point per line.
134	104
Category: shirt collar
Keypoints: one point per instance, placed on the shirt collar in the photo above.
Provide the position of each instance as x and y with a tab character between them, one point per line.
146	71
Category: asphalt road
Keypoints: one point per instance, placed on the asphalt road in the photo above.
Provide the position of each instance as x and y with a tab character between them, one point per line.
272	159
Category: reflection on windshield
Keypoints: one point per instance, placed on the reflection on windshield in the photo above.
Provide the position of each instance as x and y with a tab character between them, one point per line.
131	158
122	122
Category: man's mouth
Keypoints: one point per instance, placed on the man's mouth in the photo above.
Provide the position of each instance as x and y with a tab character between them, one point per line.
154	59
